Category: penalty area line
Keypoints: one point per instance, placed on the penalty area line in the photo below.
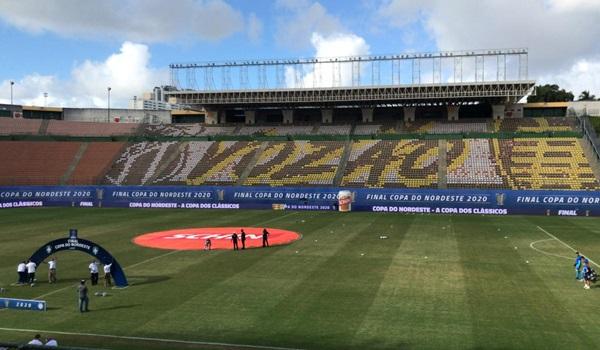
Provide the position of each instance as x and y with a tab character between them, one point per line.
150	339
532	246
565	244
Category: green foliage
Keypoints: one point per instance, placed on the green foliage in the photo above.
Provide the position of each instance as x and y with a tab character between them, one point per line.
550	93
586	96
596	124
437	282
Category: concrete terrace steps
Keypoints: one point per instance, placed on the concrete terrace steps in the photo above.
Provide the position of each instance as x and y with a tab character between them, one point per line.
80	152
443	165
339	175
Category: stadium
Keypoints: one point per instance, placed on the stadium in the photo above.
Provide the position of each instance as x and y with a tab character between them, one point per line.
412	201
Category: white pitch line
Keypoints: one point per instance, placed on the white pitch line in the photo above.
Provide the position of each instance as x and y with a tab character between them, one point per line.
161	340
566	245
531	245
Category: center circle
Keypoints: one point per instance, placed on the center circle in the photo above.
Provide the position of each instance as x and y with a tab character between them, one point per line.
220	238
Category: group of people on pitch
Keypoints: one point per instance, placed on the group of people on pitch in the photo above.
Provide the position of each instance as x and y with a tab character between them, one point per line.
241	238
26	271
583	271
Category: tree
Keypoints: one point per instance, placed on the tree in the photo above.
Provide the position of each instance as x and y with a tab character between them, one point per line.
585	96
551	93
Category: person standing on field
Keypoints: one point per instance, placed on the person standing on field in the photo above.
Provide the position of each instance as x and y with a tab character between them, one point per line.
22	271
107	276
578	266
94	272
31	272
243	239
265	238
82	290
234	240
52	270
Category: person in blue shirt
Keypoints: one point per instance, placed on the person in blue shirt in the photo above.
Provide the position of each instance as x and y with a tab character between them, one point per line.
578	266
587	274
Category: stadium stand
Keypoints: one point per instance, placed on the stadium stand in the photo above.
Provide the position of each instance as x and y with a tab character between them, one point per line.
403	164
96	160
444	127
139	163
547	163
297	163
374	129
472	163
179	170
20	126
223	163
35	163
341	129
67	128
276	130
535	124
179	130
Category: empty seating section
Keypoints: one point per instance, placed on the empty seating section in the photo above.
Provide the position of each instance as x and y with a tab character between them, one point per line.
96	160
554	163
35	163
374	129
535	124
179	170
343	129
444	127
217	130
64	128
296	163
224	163
10	126
276	130
472	163
140	162
402	164
173	130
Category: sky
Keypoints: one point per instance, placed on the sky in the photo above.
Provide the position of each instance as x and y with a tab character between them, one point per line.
73	50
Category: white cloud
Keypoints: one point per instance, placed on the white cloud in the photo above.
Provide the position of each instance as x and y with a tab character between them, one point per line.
558	33
254	28
136	20
583	75
299	19
334	45
127	72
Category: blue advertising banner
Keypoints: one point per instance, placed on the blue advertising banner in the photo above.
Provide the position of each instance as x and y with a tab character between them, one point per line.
44	196
22	304
454	201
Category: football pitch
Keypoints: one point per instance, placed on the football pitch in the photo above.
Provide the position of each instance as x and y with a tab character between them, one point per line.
435	282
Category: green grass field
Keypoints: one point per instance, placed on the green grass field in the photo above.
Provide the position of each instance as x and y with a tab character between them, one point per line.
437	282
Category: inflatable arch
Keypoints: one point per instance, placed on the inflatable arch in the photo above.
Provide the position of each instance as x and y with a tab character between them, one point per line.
82	245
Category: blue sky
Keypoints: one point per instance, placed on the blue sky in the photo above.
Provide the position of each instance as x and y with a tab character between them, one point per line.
74	49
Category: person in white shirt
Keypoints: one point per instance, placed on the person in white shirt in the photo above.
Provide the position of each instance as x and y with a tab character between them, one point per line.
94	272
52	270
22	271
51	342
36	340
107	276
31	271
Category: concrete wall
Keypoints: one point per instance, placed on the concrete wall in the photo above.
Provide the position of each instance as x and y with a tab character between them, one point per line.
120	115
591	108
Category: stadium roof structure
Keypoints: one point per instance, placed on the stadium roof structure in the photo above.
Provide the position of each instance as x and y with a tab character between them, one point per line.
440	78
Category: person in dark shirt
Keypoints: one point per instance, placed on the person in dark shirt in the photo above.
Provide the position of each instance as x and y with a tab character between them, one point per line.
243	239
234	240
265	237
83	297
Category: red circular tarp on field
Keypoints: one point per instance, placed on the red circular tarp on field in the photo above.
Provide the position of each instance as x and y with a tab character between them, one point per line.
220	237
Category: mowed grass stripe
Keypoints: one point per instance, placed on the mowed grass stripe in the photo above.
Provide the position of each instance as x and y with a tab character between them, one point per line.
527	315
420	302
231	304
